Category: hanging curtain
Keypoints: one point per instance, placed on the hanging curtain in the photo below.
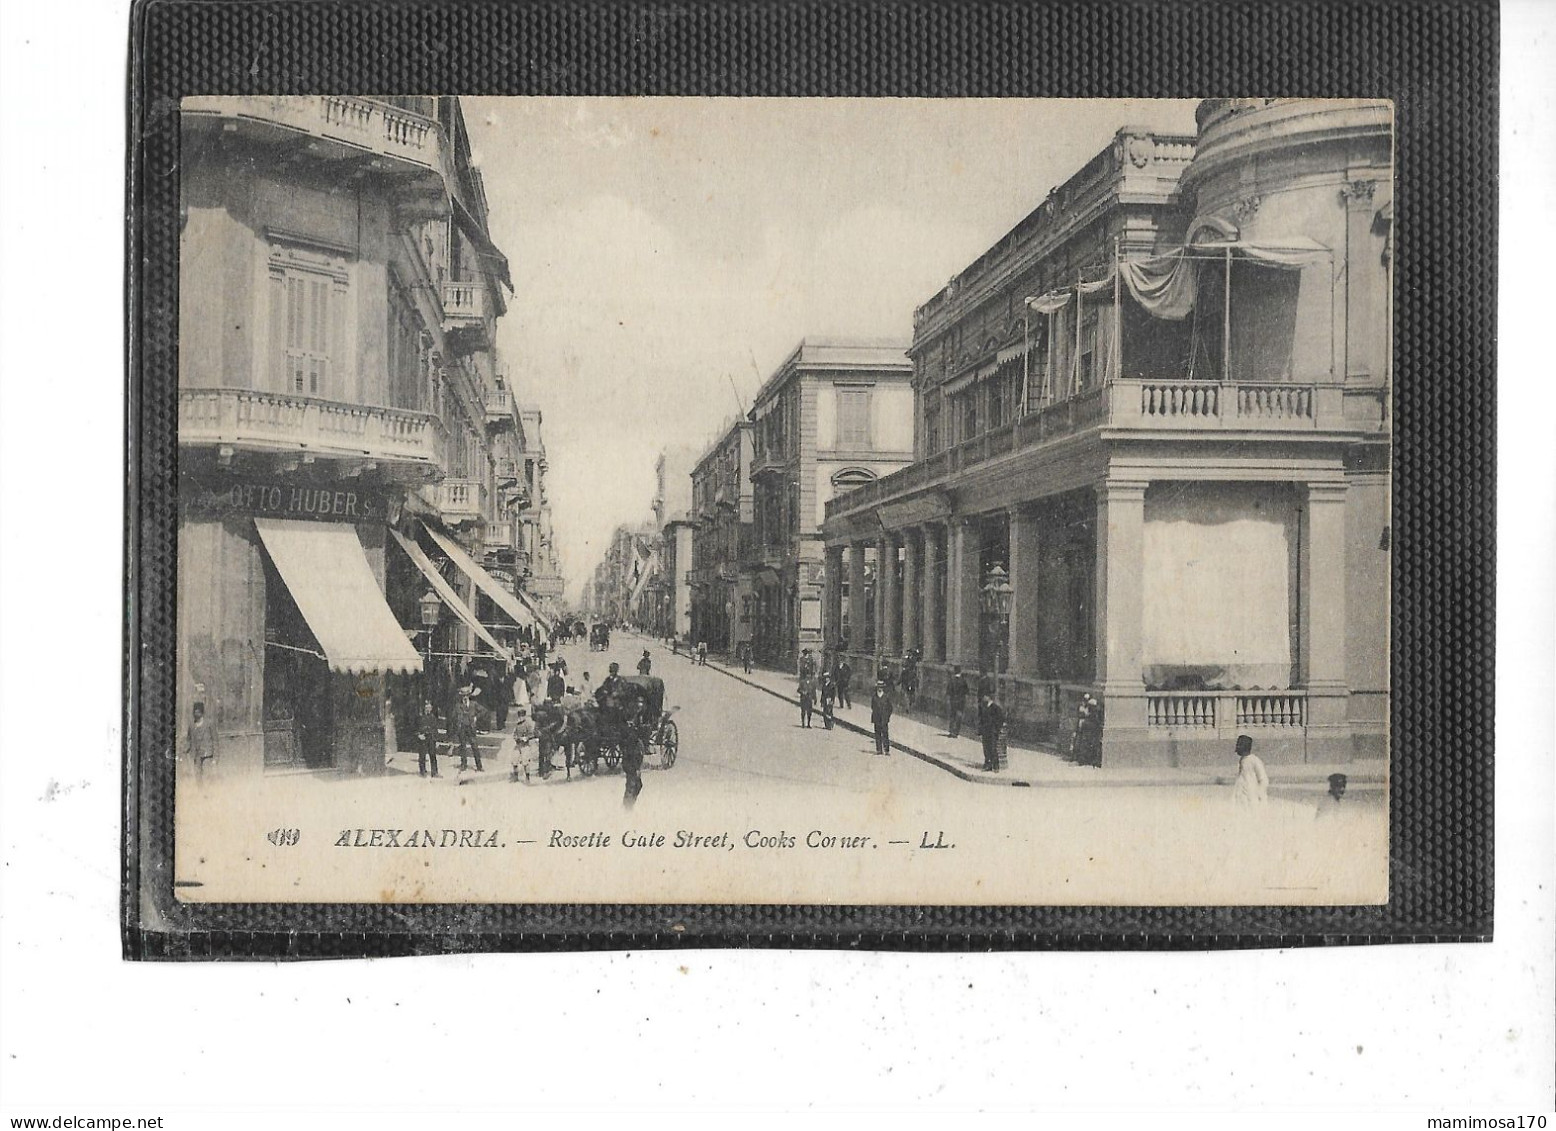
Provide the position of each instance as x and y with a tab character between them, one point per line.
1051	304
1164	285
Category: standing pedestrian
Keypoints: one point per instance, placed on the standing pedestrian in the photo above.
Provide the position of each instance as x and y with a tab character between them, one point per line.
556	685
955	701
910	677
807	664
1251	787
427	739
845	679
645	664
502	694
198	745
887	675
828	696
807	700
745	656
702	653
993	716
1331	805
986	691
463	730
880	718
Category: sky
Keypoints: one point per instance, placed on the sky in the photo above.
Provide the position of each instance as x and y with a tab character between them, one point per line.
669	253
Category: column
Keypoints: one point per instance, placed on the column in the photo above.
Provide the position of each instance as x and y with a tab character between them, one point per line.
832	607
912	557
856	609
930	617
1323	624
1120	604
961	592
891	599
1022	643
882	585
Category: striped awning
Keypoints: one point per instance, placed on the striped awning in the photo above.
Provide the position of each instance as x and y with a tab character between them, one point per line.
516	605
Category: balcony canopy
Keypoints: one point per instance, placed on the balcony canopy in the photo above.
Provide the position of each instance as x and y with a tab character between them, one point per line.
327	573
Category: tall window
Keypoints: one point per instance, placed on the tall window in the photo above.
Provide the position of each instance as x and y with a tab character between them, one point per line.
969	414
853	419
405	354
301	313
932	442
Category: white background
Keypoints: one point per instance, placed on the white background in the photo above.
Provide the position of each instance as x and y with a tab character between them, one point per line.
1442	1030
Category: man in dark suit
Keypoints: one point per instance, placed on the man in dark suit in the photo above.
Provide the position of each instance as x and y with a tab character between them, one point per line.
880	717
993	724
955	701
845	679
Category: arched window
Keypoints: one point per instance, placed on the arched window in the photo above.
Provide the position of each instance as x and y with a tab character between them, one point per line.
851	477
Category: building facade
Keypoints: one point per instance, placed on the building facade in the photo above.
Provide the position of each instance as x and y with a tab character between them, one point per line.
1152	450
669	607
339	400
723	511
536	540
833	416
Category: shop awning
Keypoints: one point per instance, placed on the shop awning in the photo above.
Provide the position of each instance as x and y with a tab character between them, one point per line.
446	591
327	572
516	605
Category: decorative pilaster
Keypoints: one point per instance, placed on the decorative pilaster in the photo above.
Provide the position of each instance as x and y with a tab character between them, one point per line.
1323	617
1120	602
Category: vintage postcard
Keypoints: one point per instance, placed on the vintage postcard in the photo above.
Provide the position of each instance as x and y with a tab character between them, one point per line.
802	501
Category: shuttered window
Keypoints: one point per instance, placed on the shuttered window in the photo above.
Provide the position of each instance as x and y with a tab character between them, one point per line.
853	419
301	331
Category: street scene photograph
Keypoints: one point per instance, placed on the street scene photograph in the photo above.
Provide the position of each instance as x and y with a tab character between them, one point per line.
838	501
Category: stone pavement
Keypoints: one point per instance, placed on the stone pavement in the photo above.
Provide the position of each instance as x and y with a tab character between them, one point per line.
1035	766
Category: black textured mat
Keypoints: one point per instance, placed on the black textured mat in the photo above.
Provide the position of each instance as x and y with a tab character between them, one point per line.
1437	61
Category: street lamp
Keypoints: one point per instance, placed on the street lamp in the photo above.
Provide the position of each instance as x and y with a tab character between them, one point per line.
431	613
995	597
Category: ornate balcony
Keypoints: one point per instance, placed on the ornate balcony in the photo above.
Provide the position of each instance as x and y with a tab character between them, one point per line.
338	128
281	423
499	409
464	316
1183	408
499	536
462	500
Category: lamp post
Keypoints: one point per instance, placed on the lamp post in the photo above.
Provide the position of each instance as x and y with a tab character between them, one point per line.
995	596
431	613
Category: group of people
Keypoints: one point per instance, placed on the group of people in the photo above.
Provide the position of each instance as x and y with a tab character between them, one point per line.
828	685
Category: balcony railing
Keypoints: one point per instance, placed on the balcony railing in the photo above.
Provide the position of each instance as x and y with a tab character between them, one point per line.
463	302
281	422
357	123
1208	406
1221	710
499	535
499	407
462	499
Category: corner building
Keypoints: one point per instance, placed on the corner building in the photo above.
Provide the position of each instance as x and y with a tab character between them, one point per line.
347	444
1156	416
833	416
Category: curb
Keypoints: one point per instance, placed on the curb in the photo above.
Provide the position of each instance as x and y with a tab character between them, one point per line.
1358	782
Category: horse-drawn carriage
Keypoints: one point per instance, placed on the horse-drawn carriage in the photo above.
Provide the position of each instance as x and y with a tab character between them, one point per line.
600	637
626	725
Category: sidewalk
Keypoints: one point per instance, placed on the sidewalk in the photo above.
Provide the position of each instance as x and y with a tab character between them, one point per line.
1035	766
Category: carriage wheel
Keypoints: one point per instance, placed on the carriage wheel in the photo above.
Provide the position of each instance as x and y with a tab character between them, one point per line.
587	761
669	744
613	757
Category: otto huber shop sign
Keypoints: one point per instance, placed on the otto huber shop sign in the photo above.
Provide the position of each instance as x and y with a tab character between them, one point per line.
320	501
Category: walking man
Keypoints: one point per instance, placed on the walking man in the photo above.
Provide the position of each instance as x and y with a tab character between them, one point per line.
1251	788
955	702
845	675
910	677
745	656
880	718
807	700
645	664
828	697
702	653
